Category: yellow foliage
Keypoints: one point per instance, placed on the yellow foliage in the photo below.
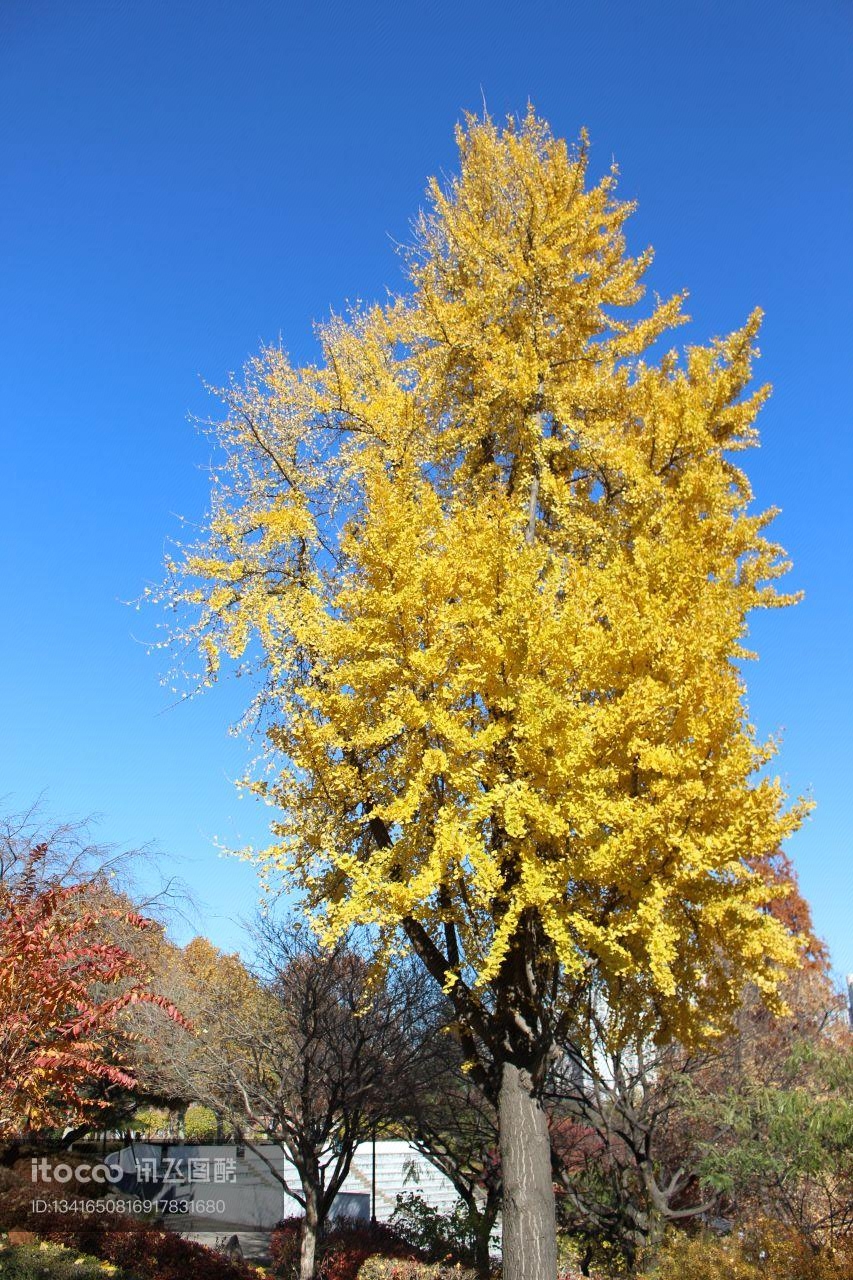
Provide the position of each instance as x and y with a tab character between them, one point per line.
497	563
768	1251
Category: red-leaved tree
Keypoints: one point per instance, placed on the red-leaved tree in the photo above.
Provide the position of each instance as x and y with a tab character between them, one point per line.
63	984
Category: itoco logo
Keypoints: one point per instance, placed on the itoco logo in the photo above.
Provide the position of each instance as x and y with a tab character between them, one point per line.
43	1171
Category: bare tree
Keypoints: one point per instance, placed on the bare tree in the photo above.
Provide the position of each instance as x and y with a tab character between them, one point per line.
312	1050
68	854
624	1158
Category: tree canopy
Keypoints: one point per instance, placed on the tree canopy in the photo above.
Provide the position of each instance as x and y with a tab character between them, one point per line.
497	563
65	981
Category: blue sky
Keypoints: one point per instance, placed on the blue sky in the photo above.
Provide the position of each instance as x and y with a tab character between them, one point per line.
184	181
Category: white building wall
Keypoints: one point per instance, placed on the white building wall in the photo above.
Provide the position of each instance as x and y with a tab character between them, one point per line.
251	1196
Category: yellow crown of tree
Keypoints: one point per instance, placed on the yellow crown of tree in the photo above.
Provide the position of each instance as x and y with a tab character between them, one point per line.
496	566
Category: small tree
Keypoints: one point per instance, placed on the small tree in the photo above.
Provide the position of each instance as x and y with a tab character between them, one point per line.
771	1113
635	1123
785	1151
497	560
153	1122
308	1052
200	1124
618	1138
63	987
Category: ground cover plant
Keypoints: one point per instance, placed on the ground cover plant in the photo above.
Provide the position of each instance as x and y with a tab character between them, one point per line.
42	1260
144	1251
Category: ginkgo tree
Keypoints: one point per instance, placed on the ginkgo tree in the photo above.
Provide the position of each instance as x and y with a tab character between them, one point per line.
495	559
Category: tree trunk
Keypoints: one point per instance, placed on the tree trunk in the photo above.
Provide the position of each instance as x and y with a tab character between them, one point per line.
308	1242
482	1259
529	1215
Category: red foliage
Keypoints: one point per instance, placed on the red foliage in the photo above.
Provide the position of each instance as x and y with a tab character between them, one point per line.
53	957
284	1247
347	1246
143	1250
342	1250
575	1144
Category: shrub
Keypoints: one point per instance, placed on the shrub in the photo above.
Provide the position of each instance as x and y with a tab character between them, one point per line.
15	1199
767	1251
577	1259
376	1268
341	1251
146	1252
46	1261
152	1120
20	1185
284	1248
702	1258
348	1245
199	1124
436	1234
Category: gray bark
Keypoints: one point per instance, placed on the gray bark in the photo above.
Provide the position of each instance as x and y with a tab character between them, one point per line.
529	1215
308	1242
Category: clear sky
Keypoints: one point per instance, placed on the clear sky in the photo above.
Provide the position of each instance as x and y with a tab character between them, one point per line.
183	181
